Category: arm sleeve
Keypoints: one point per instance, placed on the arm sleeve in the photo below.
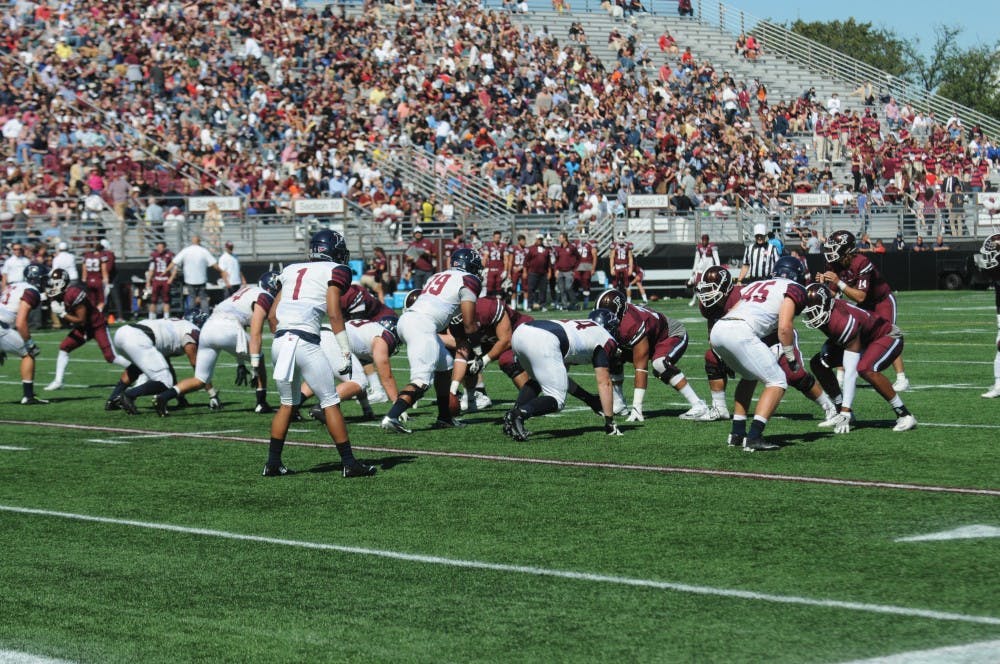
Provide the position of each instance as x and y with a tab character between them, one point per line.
851	359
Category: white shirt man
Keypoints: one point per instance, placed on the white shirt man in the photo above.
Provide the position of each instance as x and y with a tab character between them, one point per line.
66	260
229	266
195	260
833	104
13	268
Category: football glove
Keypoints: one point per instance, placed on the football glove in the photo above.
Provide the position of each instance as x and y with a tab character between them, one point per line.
635	415
242	375
610	428
147	293
842	423
214	403
404	417
31	347
478	364
58	308
506	284
345	366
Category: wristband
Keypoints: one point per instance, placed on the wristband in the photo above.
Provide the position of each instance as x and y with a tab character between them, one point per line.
637	396
454	387
841	286
255	360
343	341
789	352
486	359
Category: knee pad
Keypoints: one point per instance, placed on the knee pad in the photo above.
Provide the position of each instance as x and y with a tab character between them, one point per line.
512	370
715	368
803	383
415	392
664	370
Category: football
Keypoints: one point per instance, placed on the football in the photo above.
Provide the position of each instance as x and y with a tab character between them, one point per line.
454	405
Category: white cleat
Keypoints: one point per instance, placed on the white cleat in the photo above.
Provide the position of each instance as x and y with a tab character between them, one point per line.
714	414
483	400
905	423
901	384
378	396
53	386
992	393
390	424
695	413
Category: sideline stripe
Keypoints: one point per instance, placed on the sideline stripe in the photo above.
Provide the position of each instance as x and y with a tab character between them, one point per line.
711	472
984	652
15	657
14	448
522	569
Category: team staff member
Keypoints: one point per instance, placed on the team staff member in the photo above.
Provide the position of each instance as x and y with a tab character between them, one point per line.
420	255
229	266
566	260
195	260
759	258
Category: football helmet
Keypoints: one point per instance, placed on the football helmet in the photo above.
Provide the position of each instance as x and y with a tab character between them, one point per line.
789	267
58	282
839	246
621	236
606	319
819	304
715	285
613	300
988	257
36	275
327	245
389	324
269	282
411	297
467	260
196	317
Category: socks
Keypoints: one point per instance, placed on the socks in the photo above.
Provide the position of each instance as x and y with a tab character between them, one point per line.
274	451
28	386
261	396
167	395
719	399
757	427
996	368
151	387
739	425
898	407
824	401
119	388
345	452
397	409
540	406
690	395
62	361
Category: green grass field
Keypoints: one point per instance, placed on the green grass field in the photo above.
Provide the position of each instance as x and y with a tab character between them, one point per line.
144	539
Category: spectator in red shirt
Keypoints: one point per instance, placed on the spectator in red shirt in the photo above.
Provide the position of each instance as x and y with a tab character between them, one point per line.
537	266
566	260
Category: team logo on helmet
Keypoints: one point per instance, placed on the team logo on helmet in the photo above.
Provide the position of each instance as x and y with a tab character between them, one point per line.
613	300
715	285
269	282
327	245
819	305
467	260
838	246
58	283
196	317
988	257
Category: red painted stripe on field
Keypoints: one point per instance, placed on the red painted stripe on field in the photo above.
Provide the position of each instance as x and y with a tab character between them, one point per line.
711	472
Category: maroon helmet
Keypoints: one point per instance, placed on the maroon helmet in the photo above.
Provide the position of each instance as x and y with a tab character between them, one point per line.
411	297
839	245
613	300
715	285
819	305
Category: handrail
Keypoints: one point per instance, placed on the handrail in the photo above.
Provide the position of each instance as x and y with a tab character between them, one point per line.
826	61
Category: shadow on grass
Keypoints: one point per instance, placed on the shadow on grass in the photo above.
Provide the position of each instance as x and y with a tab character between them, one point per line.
383	463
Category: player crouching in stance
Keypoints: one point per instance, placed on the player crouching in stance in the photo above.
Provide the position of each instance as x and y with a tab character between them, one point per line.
16	302
988	262
306	292
544	348
148	345
864	344
418	327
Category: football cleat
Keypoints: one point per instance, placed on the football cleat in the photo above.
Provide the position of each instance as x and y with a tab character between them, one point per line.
482	401
513	425
759	445
181	402
714	414
735	440
695	412
160	404
391	424
905	423
358	469
276	470
448	424
263	408
901	384
992	393
128	405
378	396
53	386
33	401
113	404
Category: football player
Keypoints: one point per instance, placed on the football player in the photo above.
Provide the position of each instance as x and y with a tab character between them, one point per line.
706	255
620	262
647	337
495	260
544	348
585	270
358	303
988	262
854	276
764	307
308	293
455	288
149	345
225	330
517	253
16	303
95	274
158	279
71	303
863	343
635	280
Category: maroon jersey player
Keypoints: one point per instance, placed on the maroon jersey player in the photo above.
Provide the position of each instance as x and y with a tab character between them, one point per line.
620	262
358	303
585	270
647	337
94	272
516	255
494	255
862	342
857	278
496	322
72	303
158	279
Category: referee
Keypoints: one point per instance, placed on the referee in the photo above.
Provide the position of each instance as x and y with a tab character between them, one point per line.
758	258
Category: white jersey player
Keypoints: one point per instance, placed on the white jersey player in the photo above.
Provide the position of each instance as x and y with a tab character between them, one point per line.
16	302
309	295
149	345
225	330
544	348
764	307
444	293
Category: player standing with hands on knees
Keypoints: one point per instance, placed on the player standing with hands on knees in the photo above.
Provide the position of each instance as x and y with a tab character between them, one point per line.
310	292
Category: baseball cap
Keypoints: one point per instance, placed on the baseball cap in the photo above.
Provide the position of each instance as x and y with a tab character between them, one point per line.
62	246
417	229
759	229
539	236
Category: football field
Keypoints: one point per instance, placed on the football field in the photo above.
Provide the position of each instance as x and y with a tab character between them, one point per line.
141	539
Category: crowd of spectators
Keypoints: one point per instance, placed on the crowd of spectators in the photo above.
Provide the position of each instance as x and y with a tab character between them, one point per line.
136	105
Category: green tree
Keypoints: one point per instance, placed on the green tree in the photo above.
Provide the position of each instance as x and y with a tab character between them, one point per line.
970	78
929	70
878	47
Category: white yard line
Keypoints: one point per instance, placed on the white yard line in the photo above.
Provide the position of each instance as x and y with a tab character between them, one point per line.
108	441
15	657
976	531
681	470
590	577
985	652
14	448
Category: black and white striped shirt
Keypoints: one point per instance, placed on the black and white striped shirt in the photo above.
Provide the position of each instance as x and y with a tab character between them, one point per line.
761	259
